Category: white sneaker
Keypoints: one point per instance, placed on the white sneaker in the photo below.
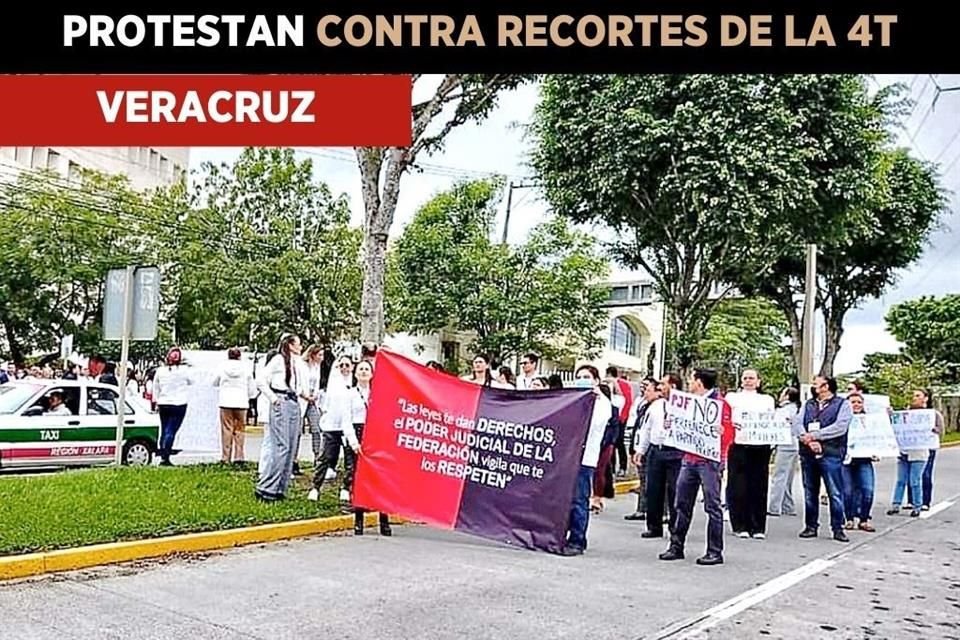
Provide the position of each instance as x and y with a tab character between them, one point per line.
758	536
344	495
743	534
314	495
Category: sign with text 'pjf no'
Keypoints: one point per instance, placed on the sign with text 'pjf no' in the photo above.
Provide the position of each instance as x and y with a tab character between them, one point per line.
495	463
694	424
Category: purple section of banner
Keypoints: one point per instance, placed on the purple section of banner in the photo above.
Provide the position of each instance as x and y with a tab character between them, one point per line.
525	456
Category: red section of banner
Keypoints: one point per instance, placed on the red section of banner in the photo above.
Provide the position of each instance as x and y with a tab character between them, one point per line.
408	464
205	110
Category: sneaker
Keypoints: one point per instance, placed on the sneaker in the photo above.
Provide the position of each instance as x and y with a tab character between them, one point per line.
840	536
915	513
925	507
672	554
893	512
344	495
743	534
759	536
808	533
314	495
710	559
632	517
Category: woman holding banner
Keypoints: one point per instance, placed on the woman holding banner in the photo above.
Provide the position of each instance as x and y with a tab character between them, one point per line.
923	399
859	479
353	422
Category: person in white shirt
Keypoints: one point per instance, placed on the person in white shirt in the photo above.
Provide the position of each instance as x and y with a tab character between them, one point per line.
336	406
780	501
56	406
662	462
236	388
318	373
528	372
587	377
284	382
171	384
353	421
748	467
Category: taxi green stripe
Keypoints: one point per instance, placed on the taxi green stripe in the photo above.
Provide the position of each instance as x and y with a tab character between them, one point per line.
77	434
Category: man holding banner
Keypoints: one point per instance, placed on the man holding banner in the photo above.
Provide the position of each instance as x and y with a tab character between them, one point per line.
700	424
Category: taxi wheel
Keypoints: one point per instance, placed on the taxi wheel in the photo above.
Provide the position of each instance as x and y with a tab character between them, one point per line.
137	453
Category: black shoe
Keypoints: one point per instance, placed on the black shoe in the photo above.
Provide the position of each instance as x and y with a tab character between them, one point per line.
710	559
571	551
652	534
840	536
672	554
808	533
915	513
267	497
893	512
358	529
385	530
636	515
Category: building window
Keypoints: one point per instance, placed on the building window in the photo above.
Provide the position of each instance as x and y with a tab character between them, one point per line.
164	166
646	292
619	294
38	159
53	160
623	338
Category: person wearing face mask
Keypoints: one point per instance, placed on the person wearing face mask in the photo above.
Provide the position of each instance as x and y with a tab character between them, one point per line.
587	377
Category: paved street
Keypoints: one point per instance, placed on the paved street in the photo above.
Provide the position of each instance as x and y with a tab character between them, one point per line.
902	581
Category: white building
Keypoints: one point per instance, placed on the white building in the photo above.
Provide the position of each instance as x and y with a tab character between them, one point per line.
633	336
146	167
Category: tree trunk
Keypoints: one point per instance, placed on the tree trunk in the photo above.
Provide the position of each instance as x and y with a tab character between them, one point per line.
833	322
16	350
379	208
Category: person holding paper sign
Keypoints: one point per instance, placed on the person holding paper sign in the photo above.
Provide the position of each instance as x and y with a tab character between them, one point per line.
858	480
785	460
822	427
662	462
923	399
913	462
700	473
749	465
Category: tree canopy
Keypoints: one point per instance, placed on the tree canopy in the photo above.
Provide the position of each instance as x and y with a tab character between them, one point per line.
544	295
928	327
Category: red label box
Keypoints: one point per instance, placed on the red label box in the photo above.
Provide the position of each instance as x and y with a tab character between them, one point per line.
205	110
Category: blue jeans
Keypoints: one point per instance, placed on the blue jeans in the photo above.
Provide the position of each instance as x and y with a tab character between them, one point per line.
580	509
858	486
171	418
909	473
928	479
829	469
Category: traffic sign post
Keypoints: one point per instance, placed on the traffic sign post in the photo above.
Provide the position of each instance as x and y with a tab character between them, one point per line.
130	312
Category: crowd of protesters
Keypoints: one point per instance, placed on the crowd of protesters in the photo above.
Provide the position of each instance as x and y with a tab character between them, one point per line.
331	395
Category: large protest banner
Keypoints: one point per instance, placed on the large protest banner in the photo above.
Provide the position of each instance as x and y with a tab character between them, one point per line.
495	463
871	434
915	429
694	424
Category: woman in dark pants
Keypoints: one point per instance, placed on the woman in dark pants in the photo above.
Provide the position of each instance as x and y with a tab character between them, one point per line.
353	437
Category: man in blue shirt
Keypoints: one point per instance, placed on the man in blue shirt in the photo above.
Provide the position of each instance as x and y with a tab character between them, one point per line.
822	427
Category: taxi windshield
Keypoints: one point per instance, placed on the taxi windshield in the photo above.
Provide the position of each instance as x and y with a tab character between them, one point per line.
13	396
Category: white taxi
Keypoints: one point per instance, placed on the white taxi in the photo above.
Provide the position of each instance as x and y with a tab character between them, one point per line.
60	423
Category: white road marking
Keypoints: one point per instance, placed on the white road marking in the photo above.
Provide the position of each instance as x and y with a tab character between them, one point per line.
744	601
937	508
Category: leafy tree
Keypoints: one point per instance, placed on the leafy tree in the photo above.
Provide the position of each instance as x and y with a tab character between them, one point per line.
928	327
748	333
542	295
898	376
262	249
877	203
456	100
697	175
58	239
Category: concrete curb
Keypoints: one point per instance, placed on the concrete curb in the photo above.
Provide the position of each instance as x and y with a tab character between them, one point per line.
33	564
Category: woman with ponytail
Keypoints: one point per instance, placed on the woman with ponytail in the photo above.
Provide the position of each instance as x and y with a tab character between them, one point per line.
284	382
170	388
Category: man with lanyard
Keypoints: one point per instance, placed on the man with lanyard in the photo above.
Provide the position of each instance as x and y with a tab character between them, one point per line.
822	427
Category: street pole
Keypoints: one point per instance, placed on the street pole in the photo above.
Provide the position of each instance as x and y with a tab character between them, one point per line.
809	322
506	220
124	356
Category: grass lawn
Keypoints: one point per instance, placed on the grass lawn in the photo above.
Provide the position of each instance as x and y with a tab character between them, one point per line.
953	436
90	506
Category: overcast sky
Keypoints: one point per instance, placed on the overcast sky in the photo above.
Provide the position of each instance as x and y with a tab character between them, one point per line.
499	145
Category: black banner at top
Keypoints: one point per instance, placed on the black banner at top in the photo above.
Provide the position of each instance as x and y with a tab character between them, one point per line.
622	36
